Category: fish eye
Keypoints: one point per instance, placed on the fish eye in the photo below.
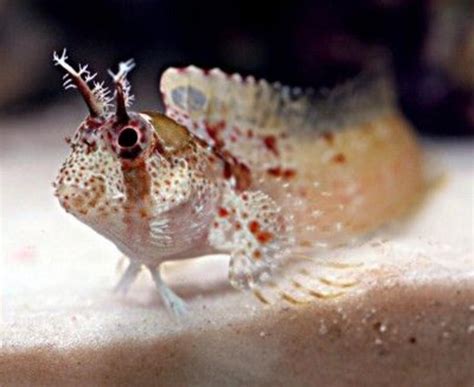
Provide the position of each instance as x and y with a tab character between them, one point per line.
128	137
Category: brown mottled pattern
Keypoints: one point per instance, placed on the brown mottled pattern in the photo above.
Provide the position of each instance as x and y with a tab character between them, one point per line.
137	206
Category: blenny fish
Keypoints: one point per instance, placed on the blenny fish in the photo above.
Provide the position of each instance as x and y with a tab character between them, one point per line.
235	165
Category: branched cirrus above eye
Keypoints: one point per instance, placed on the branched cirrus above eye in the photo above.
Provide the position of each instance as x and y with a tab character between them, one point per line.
128	137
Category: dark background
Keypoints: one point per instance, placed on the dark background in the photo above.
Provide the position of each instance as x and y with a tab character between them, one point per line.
306	43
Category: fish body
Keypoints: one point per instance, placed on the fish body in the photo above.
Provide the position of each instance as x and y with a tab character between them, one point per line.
254	170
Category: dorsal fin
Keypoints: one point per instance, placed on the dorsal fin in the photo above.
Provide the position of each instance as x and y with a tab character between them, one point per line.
192	95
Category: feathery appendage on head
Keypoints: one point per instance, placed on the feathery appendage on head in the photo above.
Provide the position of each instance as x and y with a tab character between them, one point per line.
123	96
101	119
97	99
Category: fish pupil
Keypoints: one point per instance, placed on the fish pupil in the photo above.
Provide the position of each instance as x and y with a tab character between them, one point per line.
127	138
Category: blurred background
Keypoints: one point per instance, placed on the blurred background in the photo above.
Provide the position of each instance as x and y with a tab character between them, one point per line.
301	43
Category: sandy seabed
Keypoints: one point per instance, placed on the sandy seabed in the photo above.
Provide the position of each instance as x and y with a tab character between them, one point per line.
408	320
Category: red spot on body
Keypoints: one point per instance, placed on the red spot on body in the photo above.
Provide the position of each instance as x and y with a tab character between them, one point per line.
264	236
279	172
214	132
232	167
289	173
257	254
275	171
339	158
223	212
254	226
271	144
